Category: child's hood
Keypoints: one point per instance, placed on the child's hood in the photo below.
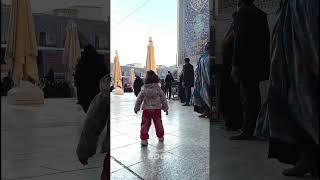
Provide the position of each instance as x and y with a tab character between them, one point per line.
152	86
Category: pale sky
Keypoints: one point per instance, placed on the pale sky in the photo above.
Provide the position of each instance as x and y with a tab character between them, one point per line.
158	18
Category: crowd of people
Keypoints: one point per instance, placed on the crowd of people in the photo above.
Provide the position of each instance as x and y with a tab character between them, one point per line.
290	110
194	85
289	118
52	88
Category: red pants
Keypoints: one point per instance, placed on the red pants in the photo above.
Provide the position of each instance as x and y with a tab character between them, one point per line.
147	116
105	175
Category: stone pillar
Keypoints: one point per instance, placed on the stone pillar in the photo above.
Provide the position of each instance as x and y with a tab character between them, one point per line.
180	32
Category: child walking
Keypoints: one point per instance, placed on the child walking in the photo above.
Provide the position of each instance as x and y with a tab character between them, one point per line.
153	100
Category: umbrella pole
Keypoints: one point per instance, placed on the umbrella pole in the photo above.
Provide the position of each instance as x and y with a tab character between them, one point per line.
24	76
24	71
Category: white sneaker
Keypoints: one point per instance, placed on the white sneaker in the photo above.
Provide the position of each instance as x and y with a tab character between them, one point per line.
144	142
161	139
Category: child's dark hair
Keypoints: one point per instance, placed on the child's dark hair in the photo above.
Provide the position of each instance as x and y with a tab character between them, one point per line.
151	77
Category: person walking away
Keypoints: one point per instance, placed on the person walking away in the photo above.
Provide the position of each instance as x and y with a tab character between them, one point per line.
91	70
251	61
7	83
230	91
153	100
163	86
96	120
137	84
188	80
293	94
168	84
50	76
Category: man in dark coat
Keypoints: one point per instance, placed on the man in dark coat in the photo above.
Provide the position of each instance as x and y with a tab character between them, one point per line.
251	60
137	84
168	83
230	91
181	91
188	79
91	69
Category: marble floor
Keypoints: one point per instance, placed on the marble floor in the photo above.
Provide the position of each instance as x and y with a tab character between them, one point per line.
183	155
39	143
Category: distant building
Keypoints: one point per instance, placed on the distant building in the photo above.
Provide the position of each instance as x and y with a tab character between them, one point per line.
91	12
51	34
140	70
194	30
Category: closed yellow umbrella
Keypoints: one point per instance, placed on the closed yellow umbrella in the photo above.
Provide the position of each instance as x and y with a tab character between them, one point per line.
71	52
117	75
21	55
151	64
21	52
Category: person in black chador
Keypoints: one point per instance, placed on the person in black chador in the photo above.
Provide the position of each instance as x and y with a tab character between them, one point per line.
230	91
50	76
188	80
137	84
251	61
88	74
168	84
7	83
292	112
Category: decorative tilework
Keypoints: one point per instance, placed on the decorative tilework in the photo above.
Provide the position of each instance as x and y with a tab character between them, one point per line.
196	26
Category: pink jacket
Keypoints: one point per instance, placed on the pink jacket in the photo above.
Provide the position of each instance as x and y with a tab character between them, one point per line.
152	97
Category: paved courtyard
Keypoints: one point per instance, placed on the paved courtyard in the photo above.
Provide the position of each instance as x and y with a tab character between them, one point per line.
183	155
39	143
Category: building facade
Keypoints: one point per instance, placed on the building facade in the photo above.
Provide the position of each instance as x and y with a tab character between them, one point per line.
51	34
140	70
193	29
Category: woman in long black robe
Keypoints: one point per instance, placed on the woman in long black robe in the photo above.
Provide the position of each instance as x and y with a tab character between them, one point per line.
230	91
90	71
293	107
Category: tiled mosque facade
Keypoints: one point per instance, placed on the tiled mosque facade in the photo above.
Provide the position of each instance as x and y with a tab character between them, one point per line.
193	30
